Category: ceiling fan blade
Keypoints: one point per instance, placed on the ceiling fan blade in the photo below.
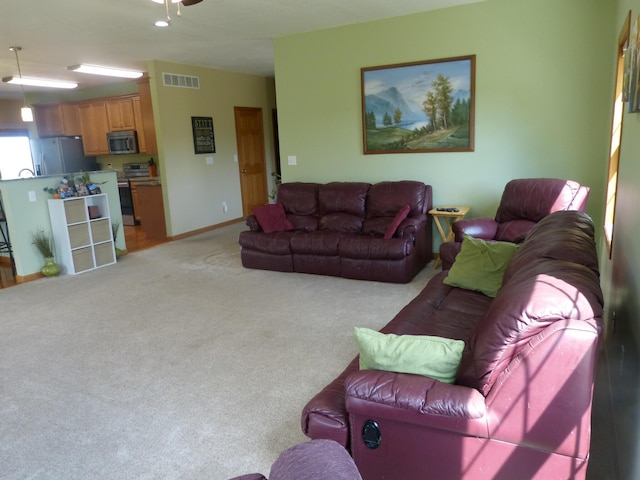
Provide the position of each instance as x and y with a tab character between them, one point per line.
188	3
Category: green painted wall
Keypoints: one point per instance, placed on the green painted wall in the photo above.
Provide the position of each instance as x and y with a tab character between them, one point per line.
25	217
543	89
193	191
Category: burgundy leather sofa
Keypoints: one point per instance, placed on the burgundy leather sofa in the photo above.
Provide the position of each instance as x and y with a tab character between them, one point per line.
521	403
338	230
524	202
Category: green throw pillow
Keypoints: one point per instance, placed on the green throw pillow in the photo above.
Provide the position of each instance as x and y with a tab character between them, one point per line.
433	357
480	265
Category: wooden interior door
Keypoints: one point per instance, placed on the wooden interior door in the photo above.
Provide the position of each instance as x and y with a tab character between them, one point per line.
251	157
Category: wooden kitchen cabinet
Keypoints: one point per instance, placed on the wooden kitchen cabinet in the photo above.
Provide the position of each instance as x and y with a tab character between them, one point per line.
136	201
57	119
120	114
152	210
147	127
137	115
95	125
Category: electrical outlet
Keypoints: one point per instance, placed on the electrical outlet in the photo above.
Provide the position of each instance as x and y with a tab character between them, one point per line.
225	207
209	160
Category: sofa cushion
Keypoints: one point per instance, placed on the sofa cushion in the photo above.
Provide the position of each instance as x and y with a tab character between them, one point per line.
343	197
304	223
276	243
320	242
374	248
385	199
299	198
397	220
566	235
480	265
537	295
433	357
272	218
341	222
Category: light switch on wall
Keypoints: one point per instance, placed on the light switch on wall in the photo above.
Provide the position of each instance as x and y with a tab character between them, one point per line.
292	160
32	195
209	160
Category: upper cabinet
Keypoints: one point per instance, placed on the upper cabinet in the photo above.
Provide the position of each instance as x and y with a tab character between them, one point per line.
57	119
95	125
93	119
120	114
146	127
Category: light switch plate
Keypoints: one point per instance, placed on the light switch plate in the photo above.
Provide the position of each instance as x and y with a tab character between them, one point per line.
209	160
292	160
32	195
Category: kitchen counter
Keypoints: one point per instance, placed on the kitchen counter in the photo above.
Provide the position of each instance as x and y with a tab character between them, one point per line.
27	211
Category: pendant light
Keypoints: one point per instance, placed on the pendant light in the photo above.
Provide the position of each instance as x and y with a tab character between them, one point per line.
25	111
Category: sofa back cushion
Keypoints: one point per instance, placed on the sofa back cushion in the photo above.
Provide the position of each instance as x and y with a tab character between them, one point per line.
532	199
341	206
564	235
536	296
299	198
385	199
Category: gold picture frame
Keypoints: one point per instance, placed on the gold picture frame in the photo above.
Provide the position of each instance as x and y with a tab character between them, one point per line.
419	107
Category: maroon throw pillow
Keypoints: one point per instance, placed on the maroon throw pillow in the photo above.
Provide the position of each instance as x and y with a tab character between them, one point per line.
272	218
395	223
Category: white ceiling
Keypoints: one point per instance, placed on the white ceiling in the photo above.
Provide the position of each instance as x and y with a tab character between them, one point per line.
231	35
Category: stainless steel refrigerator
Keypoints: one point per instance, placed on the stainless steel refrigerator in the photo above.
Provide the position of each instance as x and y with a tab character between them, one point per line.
60	155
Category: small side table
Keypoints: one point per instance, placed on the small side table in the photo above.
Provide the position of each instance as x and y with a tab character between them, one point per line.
442	216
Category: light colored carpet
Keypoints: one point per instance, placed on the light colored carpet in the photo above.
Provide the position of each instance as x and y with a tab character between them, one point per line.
175	363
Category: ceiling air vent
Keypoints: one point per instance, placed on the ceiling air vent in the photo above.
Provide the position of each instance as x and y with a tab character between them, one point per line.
183	81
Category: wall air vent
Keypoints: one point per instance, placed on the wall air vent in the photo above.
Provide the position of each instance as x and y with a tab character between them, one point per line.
183	81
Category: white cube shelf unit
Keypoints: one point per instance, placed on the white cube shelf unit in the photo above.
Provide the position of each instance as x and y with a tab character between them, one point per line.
82	233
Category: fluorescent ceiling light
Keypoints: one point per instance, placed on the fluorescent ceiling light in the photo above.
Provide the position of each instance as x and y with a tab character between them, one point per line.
27	114
39	82
108	71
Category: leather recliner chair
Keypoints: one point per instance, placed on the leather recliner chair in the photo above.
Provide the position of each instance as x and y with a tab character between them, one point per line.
524	202
315	460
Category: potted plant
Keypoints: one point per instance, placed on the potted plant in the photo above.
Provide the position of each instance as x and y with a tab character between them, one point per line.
52	191
44	245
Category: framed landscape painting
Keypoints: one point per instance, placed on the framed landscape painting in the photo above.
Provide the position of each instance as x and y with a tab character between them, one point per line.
419	107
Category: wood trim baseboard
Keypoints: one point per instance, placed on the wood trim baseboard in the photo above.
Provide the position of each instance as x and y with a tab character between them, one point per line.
205	229
28	278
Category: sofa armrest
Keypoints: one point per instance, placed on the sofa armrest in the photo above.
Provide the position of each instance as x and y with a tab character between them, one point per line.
484	228
252	223
410	225
415	393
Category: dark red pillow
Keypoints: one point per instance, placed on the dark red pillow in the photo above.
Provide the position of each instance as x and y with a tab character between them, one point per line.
395	223
272	218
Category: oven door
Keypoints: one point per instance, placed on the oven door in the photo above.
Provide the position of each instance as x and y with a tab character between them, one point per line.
126	202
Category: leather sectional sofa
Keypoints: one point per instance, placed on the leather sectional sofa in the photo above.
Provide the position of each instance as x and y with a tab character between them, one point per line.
520	404
339	229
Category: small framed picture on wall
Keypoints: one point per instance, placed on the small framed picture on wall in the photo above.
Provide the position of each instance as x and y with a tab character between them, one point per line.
203	138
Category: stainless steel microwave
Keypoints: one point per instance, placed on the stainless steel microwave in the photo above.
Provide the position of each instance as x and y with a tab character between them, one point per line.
122	142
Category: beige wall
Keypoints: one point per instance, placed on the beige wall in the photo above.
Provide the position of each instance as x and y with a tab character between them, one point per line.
194	191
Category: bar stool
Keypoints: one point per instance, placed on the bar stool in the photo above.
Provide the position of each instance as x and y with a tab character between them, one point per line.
5	243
